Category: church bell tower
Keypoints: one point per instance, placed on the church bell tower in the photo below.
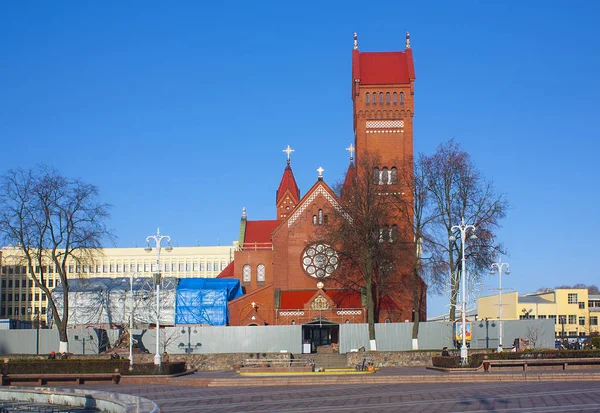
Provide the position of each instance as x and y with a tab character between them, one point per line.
383	105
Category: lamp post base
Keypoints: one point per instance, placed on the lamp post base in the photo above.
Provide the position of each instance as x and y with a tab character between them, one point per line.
157	360
464	358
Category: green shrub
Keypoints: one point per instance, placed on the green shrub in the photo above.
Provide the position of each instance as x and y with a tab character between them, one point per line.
475	360
153	369
448	362
29	366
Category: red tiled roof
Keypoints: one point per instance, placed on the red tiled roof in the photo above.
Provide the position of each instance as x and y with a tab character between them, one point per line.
288	182
376	68
291	300
259	231
227	271
350	176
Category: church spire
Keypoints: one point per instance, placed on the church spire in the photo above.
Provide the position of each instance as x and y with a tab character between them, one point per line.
288	194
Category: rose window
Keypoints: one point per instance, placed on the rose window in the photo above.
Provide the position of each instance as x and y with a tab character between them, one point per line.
319	260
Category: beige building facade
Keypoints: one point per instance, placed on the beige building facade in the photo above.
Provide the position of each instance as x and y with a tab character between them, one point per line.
22	300
574	311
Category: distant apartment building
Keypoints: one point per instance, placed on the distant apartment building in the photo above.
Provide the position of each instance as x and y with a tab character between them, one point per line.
574	311
22	300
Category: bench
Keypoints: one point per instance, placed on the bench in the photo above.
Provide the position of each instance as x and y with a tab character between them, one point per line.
564	362
43	379
277	365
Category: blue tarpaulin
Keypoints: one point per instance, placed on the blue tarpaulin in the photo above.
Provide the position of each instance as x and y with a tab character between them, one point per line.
204	300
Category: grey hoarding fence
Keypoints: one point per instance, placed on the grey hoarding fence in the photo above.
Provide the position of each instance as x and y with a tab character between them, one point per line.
220	339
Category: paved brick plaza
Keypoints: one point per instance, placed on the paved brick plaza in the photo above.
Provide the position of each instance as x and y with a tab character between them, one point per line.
374	398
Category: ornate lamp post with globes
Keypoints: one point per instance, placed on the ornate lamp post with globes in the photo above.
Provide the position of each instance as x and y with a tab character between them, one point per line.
158	239
463	228
497	267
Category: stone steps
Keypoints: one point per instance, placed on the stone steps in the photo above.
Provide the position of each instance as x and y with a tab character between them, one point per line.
328	360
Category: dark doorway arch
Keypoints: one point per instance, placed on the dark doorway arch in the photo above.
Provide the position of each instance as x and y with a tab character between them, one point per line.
320	332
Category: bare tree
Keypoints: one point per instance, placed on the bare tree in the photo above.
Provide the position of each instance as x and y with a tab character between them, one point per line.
416	215
458	190
533	333
168	336
366	236
592	288
53	221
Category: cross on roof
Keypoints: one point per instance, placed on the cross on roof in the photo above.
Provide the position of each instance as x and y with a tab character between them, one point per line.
351	149
288	151
320	171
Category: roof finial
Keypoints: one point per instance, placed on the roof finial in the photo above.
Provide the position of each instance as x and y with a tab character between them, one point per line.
288	150
351	149
244	213
355	41
407	40
320	171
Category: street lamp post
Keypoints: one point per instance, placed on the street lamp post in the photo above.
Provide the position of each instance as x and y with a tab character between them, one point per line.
463	228
37	328
131	307
158	239
498	267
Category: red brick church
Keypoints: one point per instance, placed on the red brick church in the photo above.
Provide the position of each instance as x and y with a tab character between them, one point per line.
289	280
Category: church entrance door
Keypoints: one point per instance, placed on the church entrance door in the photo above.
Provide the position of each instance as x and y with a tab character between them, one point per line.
320	333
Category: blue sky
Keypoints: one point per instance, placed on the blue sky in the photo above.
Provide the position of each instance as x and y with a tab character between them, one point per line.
179	111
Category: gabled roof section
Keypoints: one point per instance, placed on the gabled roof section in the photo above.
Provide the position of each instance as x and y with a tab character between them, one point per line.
293	300
319	188
259	231
350	177
288	182
228	271
382	68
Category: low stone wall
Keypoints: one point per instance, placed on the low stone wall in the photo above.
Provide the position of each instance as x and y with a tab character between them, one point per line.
233	361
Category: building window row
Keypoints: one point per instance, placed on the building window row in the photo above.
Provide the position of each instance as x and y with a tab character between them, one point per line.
25	283
373	98
388	234
260	274
385	176
320	219
120	268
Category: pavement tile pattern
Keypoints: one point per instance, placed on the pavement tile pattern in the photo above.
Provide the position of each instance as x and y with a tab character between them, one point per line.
450	396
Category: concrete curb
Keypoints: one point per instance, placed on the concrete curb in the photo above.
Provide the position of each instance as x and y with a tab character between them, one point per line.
104	401
380	379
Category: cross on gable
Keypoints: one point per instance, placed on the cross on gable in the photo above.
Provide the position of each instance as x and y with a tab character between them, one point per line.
351	149
288	151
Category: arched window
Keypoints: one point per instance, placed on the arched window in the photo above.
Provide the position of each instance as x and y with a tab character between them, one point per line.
246	274
387	97
314	220
382	234
385	176
368	98
394	175
260	274
381	98
374	98
293	322
320	217
395	98
393	233
325	219
376	176
402	97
